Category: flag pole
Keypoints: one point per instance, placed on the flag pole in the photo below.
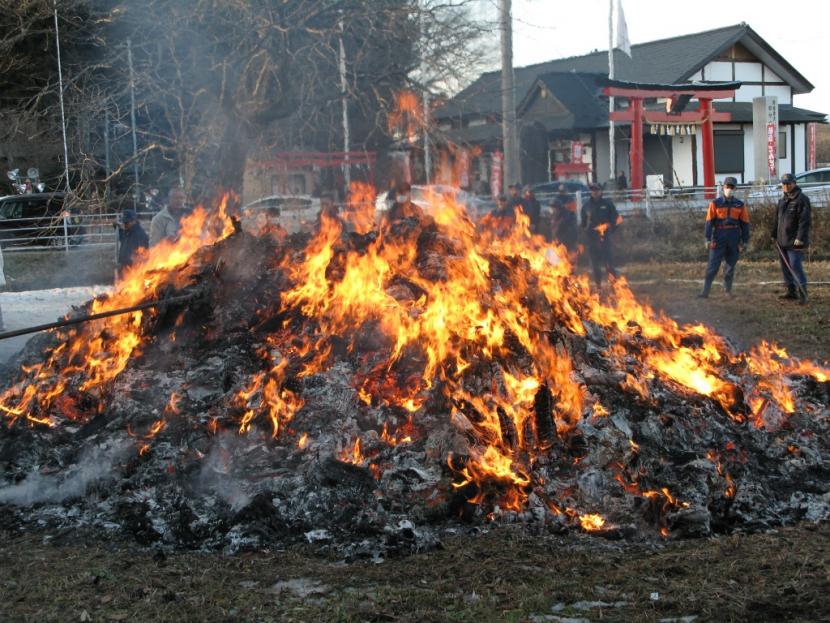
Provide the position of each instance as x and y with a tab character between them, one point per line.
611	151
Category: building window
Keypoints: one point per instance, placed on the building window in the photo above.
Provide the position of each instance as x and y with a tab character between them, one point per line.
729	152
782	145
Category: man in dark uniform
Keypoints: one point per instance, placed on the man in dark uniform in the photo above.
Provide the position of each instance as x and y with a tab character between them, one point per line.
599	220
791	234
131	238
564	219
533	209
727	233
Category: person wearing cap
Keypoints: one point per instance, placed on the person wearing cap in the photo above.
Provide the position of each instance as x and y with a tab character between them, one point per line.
131	238
727	233
791	234
599	220
533	209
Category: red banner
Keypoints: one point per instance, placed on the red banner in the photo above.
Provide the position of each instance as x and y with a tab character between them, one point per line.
811	145
496	173
576	151
772	150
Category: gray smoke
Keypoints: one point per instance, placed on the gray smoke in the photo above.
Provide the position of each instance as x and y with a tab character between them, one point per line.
93	466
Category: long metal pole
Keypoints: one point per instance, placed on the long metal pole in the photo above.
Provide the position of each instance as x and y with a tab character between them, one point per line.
612	152
106	314
132	115
508	98
60	92
347	169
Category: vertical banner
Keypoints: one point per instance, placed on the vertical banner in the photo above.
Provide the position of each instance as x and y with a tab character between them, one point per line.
772	137
463	163
496	173
811	145
576	151
407	168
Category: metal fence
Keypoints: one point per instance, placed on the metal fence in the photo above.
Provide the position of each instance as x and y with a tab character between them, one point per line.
70	231
62	233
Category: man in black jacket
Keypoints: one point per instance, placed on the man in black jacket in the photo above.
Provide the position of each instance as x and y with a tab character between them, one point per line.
791	235
131	238
599	220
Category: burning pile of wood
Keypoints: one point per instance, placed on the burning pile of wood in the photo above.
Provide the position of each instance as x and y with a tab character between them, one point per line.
373	386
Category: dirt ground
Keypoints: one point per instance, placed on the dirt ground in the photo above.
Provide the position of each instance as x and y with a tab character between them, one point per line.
503	575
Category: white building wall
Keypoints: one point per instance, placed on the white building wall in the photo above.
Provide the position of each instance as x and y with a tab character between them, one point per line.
800	148
749	72
784	93
602	155
683	160
785	164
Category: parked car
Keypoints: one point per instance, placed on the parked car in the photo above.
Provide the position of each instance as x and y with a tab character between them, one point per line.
36	219
814	182
421	196
551	188
294	213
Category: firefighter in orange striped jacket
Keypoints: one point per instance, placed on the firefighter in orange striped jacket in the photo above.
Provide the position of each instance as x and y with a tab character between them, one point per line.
727	233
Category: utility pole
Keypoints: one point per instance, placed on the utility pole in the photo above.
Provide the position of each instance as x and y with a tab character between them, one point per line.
508	98
60	93
347	169
612	152
427	158
132	116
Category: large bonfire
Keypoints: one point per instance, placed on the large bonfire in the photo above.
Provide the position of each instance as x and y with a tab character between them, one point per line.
378	382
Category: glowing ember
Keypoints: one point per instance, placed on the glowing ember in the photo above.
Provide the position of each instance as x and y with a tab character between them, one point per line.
591	522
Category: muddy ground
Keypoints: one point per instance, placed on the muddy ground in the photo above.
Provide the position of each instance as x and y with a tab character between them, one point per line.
503	575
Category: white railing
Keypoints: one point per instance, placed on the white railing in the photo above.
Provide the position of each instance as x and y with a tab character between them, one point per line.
62	232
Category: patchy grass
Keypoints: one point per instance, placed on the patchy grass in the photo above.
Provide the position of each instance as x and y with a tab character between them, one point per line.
501	576
755	313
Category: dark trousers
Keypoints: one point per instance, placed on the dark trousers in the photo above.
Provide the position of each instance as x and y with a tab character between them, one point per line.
794	257
723	252
602	258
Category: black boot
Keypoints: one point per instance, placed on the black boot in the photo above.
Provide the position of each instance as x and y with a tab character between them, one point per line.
790	295
802	296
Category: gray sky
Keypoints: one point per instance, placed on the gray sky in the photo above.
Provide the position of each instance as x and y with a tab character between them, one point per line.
798	29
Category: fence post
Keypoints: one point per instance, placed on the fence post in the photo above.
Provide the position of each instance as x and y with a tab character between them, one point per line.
579	207
648	204
65	231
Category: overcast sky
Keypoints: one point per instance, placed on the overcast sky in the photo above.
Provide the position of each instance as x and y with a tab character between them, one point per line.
798	29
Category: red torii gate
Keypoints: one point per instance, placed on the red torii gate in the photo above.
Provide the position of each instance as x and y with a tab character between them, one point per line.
678	95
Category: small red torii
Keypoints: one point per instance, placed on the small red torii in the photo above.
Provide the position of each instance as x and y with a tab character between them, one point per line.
678	95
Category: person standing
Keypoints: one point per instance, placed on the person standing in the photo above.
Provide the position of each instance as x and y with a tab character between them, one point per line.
533	209
165	225
791	236
564	219
622	181
599	220
727	233
131	238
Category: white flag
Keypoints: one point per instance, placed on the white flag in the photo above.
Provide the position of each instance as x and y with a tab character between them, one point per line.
622	31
